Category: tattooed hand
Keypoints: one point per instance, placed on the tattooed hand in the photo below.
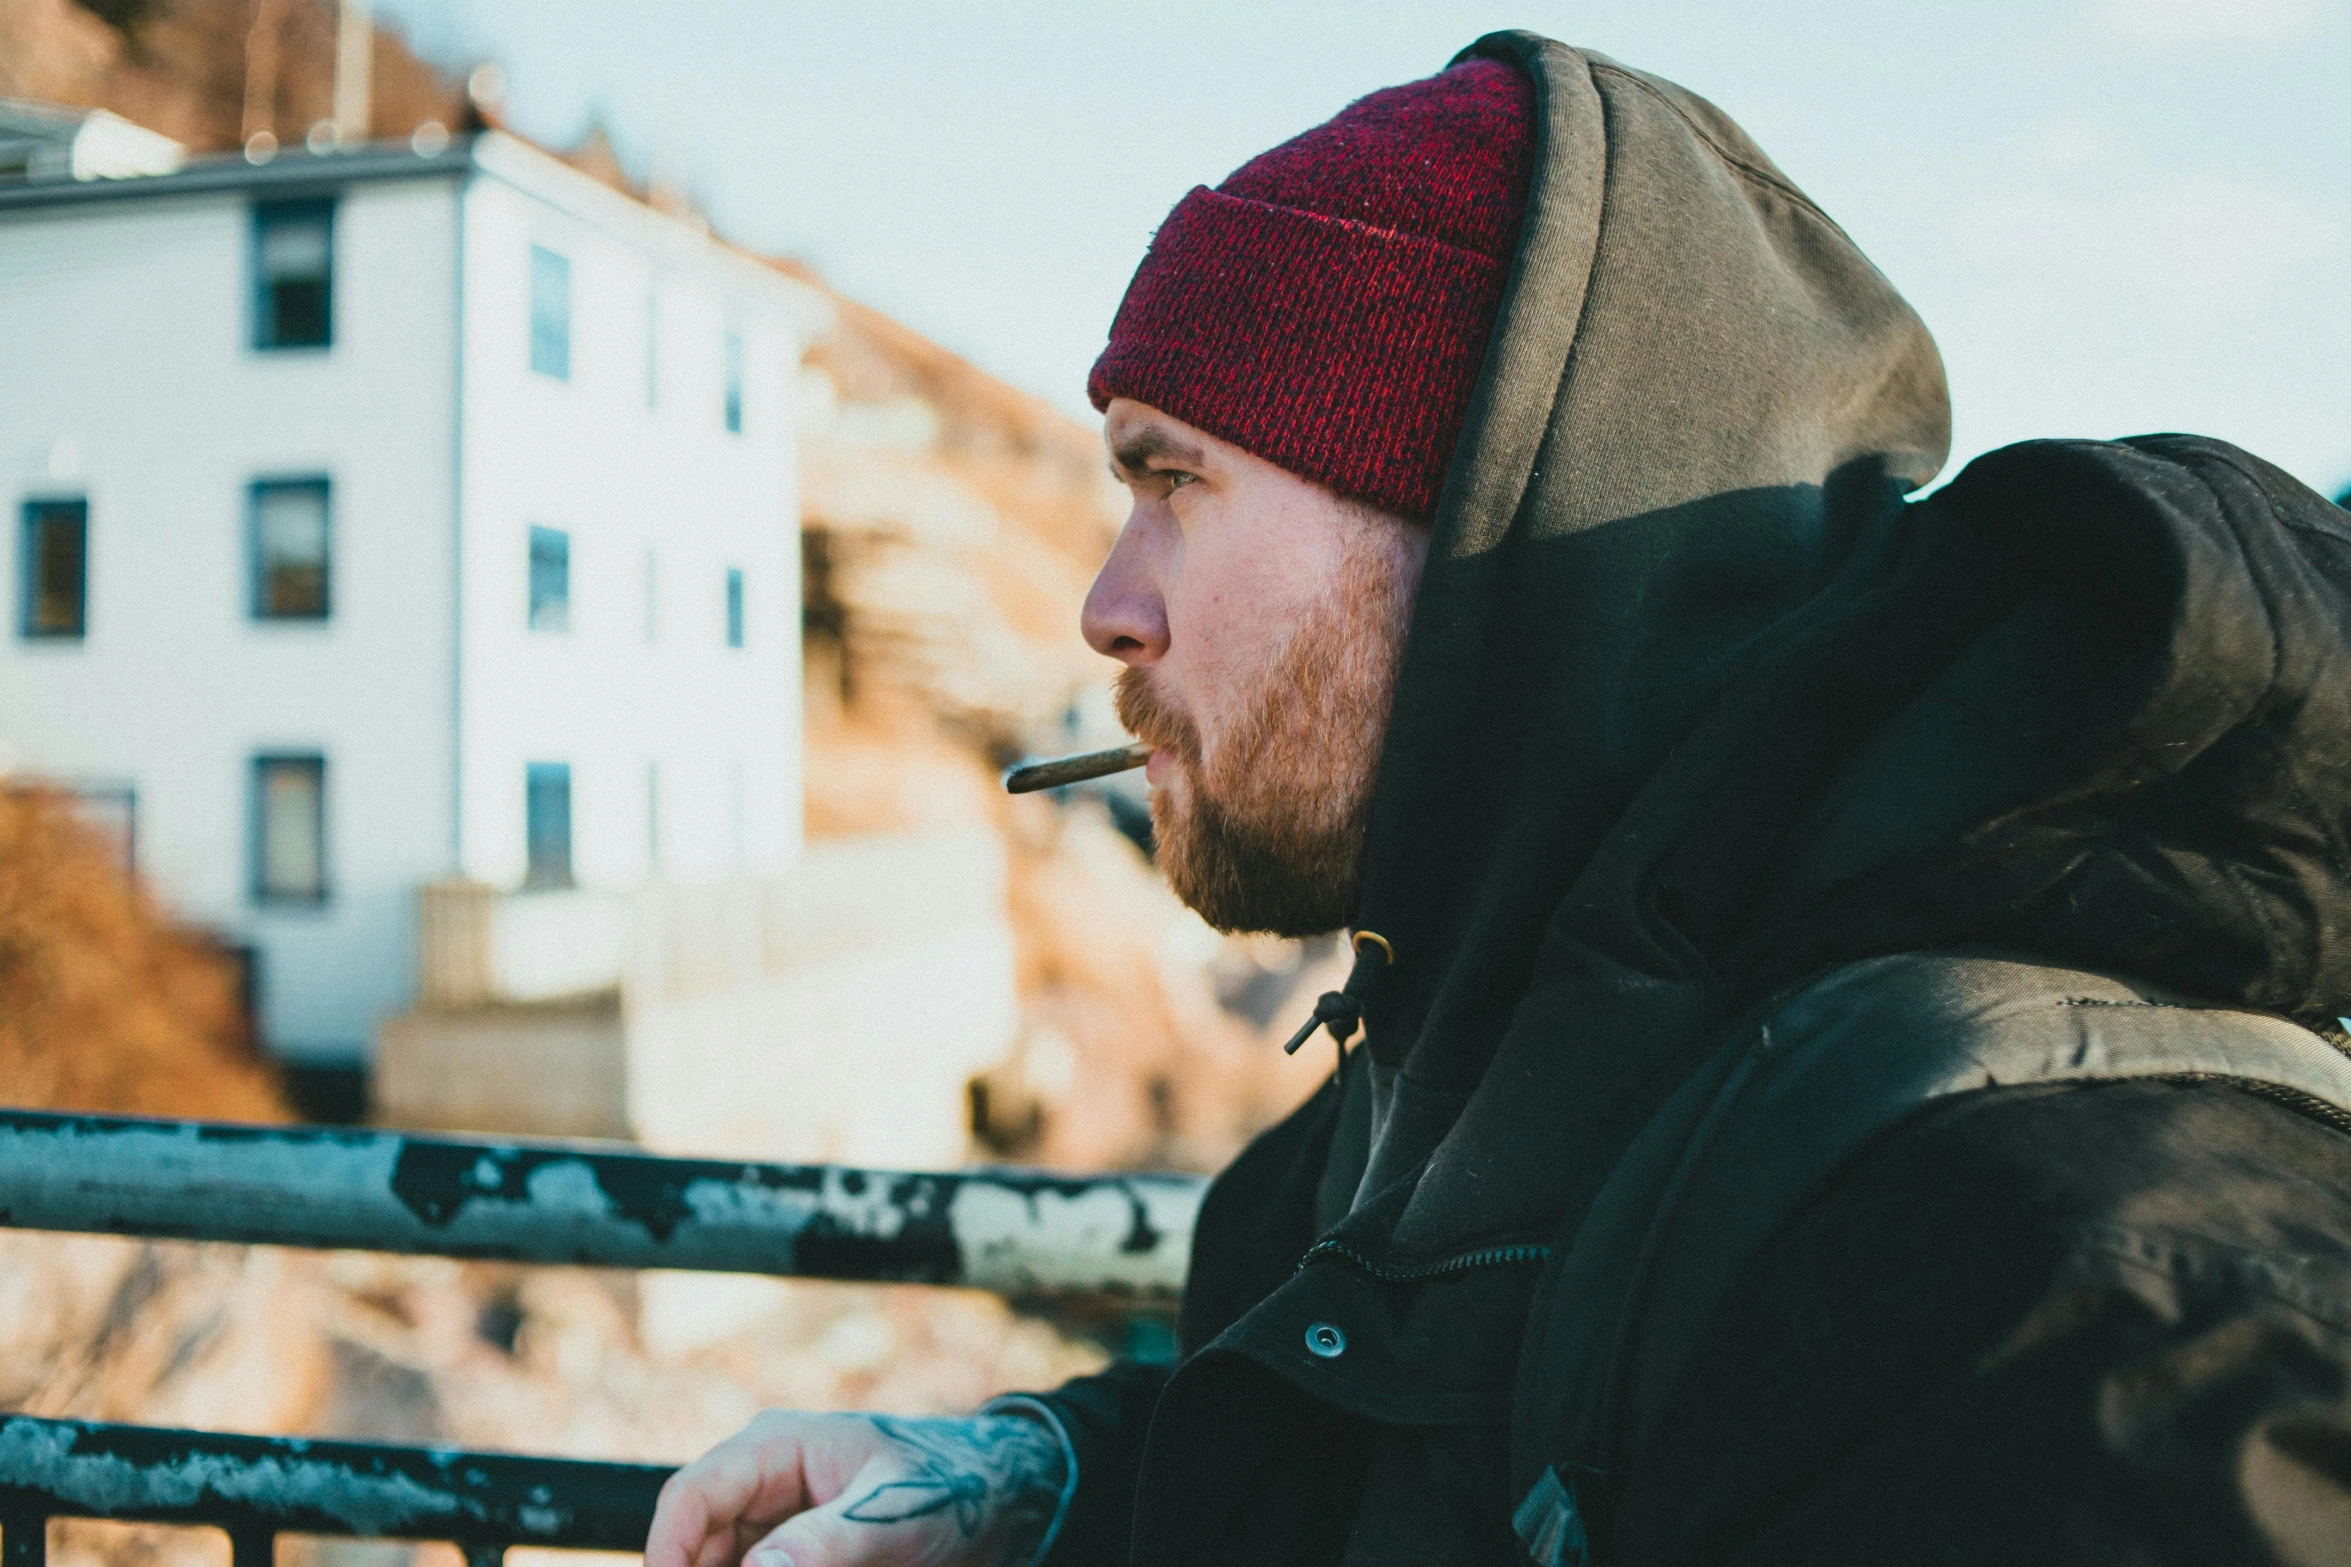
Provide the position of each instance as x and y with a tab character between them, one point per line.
797	1490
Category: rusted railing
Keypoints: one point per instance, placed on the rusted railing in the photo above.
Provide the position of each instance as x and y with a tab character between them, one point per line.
1014	1231
255	1488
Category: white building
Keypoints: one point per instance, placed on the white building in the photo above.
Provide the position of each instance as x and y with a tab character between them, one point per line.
393	517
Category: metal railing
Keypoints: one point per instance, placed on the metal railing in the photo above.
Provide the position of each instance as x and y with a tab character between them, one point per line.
1017	1232
256	1487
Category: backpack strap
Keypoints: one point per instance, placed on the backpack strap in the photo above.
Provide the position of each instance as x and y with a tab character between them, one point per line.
1771	1115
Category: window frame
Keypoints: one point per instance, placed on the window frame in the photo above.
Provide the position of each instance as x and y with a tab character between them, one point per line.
560	368
568	876
260	317
30	520
562	536
653	816
257	831
732	357
256	599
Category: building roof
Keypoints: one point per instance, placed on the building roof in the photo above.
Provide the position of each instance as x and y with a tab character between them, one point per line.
41	141
294	172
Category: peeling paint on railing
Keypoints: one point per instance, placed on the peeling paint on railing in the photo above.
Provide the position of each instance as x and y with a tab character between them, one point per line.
257	1487
1014	1231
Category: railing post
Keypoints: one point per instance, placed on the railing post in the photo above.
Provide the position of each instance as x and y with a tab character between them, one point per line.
24	1540
249	1548
485	1556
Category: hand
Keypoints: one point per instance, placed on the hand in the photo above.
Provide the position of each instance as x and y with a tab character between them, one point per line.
800	1490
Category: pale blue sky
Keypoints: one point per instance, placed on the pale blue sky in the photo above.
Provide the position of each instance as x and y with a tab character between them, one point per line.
2116	215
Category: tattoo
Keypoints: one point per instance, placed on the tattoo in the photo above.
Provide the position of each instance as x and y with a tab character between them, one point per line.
1001	1476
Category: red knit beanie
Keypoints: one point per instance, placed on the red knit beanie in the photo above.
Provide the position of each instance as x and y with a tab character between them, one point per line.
1327	306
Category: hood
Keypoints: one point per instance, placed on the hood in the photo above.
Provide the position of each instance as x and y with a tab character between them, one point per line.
1695	703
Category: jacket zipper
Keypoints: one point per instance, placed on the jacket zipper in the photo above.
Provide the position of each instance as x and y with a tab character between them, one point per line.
2311	1105
1394	1273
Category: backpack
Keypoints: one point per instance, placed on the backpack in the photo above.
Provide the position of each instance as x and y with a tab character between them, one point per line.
1792	1095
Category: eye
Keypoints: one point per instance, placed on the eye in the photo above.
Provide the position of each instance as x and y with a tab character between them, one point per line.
1177	478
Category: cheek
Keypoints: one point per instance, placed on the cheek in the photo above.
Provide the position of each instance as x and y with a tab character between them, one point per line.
1256	564
1222	639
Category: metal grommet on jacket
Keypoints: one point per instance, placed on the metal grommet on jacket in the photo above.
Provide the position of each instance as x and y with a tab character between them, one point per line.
1326	1339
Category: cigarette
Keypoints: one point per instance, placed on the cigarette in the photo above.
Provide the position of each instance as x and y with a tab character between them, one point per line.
1032	776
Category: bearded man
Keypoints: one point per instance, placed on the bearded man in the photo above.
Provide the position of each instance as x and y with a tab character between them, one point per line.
1831	968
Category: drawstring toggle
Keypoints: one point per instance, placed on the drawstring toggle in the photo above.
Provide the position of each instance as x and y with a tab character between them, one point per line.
1341	1011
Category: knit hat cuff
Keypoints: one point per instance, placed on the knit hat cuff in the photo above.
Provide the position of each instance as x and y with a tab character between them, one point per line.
1337	350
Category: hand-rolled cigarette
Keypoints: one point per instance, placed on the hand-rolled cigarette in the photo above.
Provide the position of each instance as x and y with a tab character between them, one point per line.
1032	776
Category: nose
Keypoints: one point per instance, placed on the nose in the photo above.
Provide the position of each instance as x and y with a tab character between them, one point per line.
1124	616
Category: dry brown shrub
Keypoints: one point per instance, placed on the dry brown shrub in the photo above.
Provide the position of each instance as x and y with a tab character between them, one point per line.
105	1004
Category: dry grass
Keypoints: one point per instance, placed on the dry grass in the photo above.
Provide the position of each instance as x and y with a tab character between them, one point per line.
105	1004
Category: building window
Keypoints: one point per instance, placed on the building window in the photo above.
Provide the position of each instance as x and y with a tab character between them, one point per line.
289	535
53	570
547	824
293	274
289	829
734	388
550	313
111	811
653	816
734	606
550	579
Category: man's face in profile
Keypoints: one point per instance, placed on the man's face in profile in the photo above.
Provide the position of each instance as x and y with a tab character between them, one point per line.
1261	620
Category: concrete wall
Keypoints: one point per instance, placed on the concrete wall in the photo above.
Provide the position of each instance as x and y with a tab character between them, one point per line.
550	1071
883	984
834	1013
123	331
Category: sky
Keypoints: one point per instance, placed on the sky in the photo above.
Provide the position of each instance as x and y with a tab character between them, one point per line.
2116	215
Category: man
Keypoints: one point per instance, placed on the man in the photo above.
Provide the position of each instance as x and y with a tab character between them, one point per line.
1520	573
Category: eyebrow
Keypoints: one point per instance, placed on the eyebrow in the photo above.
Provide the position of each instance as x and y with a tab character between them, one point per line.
1130	456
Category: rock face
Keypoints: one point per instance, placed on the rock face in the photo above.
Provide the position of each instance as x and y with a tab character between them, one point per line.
951	525
210	73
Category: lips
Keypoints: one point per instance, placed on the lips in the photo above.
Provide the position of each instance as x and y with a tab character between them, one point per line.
1156	723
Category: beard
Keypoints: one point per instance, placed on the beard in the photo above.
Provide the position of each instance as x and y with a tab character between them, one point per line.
1268	836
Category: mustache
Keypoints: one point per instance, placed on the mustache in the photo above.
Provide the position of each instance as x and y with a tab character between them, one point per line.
1153	719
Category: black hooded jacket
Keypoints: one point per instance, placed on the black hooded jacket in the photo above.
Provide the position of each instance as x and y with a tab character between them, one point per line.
1697	705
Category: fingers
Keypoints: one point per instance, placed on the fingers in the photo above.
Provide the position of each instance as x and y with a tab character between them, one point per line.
681	1520
887	1513
732	1494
